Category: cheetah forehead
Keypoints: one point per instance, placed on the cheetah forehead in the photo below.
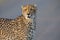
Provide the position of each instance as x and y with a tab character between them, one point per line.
29	7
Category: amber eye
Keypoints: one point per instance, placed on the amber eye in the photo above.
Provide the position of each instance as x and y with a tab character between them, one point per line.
25	9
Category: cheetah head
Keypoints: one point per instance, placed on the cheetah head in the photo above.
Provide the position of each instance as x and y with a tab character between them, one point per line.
29	11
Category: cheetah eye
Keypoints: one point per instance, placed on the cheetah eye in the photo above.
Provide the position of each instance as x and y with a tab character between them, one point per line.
25	9
31	9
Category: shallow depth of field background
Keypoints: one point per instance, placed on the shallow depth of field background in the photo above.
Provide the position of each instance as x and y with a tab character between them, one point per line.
48	16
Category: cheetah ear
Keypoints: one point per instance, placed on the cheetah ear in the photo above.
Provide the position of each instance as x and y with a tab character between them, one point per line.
35	5
22	7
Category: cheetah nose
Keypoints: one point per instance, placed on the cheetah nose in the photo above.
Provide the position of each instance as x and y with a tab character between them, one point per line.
28	14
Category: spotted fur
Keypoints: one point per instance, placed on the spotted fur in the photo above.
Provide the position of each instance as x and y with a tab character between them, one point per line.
19	28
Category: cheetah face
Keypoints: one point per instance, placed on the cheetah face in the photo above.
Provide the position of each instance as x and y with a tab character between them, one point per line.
29	11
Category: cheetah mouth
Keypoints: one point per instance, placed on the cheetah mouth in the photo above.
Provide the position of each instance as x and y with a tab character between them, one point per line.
29	15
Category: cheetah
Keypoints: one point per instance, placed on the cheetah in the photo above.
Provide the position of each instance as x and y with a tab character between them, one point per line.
20	28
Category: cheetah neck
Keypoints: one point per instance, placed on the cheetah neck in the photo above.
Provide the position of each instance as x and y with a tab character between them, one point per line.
32	28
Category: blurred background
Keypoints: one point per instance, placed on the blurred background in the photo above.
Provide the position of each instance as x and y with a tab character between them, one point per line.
48	16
